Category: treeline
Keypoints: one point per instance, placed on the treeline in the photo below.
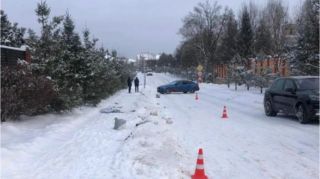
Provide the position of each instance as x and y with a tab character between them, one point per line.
212	35
65	71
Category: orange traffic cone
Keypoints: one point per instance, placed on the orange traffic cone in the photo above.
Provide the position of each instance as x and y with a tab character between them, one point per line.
199	173
197	96
224	115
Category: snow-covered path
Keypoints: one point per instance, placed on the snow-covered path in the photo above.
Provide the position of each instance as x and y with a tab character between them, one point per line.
248	144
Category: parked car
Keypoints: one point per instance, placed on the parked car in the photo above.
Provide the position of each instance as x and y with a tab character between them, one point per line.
296	95
184	86
149	74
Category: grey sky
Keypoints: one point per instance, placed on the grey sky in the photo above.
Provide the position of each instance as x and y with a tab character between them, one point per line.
128	26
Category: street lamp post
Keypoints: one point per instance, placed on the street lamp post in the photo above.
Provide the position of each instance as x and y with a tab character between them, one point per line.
144	71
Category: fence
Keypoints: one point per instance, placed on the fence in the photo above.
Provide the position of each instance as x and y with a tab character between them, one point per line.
11	55
278	65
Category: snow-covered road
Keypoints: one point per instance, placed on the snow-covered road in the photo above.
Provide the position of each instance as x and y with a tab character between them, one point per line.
84	144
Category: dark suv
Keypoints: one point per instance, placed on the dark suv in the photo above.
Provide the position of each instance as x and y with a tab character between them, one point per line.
295	95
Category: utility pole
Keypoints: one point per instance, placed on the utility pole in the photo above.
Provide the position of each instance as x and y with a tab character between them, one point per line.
144	71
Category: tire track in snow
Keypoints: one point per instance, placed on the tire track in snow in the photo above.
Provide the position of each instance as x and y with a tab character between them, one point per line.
72	158
253	135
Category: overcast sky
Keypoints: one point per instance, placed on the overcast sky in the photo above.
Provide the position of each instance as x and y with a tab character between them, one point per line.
128	26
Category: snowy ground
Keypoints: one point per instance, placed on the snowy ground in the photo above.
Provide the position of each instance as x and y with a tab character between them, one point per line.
84	144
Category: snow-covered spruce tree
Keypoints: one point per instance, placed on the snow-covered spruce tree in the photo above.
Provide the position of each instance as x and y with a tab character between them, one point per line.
227	49
46	48
234	75
102	77
69	93
189	55
123	71
245	39
86	72
234	71
263	43
114	54
111	80
262	47
229	77
264	76
5	28
241	74
47	52
48	44
308	44
11	34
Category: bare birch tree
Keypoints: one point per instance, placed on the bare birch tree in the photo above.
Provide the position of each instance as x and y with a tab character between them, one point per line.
204	25
277	16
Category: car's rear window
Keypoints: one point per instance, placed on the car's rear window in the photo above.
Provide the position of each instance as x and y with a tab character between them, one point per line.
308	84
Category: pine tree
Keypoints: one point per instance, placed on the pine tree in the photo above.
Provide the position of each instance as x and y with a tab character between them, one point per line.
89	70
308	50
190	56
264	77
245	42
48	46
114	54
5	28
263	43
68	83
48	52
11	34
245	36
228	47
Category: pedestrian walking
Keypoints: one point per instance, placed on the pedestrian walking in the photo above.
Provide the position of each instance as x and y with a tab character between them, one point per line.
129	81
136	84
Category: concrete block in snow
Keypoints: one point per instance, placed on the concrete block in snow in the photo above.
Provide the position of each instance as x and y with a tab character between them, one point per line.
169	121
119	124
110	110
154	113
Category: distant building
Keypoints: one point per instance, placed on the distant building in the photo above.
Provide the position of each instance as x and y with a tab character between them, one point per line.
150	60
290	31
124	59
148	56
132	61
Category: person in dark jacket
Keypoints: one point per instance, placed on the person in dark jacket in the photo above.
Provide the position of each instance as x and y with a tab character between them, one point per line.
136	84
129	83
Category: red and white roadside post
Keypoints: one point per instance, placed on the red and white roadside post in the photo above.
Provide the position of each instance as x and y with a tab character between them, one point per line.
200	77
199	74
